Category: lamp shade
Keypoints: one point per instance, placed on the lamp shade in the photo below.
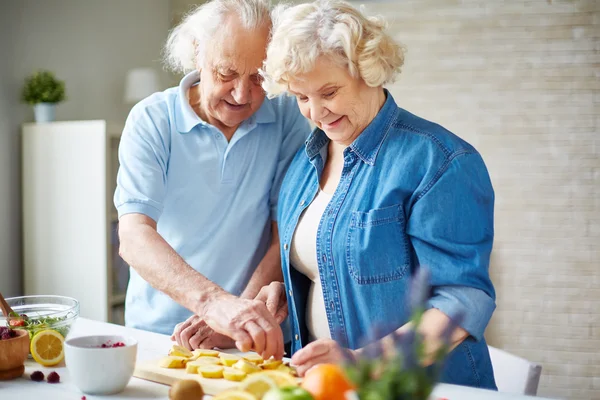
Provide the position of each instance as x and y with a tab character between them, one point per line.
140	83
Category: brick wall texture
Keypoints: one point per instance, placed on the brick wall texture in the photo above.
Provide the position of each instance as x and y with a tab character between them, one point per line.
520	81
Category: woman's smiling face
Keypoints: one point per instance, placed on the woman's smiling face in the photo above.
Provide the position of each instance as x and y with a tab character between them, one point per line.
338	103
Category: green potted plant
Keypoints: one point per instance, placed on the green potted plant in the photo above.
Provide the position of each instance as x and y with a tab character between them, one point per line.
43	90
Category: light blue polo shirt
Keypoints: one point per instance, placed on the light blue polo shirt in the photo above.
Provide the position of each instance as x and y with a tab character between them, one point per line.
213	200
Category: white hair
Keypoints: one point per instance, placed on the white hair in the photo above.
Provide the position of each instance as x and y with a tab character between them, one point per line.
186	45
334	29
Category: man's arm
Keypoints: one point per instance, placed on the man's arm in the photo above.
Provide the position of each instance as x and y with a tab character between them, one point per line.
248	322
269	269
158	264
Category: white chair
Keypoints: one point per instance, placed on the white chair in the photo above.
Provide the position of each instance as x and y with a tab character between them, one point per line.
514	374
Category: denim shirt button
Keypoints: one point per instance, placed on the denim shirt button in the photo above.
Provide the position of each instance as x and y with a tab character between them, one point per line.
332	305
285	246
296	337
290	292
324	258
302	203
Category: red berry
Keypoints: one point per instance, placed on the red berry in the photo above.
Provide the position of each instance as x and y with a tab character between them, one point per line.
53	377
83	398
37	376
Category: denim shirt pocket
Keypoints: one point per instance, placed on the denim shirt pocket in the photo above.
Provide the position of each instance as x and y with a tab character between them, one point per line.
377	246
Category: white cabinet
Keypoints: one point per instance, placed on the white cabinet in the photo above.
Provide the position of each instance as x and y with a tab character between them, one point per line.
69	221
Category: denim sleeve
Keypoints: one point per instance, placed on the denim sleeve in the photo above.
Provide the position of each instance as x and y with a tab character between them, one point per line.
143	158
295	131
451	226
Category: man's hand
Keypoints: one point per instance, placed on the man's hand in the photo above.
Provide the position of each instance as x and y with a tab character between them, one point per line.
274	297
321	351
248	322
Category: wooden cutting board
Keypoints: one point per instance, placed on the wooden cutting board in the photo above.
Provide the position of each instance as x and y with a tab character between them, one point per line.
150	371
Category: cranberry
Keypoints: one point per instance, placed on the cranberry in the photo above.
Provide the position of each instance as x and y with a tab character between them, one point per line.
6	335
83	398
53	377
37	376
109	344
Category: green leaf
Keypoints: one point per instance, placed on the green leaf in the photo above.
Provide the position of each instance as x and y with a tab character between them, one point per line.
43	87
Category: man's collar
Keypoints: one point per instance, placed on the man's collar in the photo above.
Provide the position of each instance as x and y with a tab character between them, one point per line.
368	143
186	118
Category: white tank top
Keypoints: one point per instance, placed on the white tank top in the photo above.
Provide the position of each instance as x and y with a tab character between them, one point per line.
303	257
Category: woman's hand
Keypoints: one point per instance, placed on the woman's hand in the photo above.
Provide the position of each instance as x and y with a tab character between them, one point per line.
321	351
273	295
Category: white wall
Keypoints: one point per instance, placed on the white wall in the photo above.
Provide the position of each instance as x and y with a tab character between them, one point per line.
10	222
89	44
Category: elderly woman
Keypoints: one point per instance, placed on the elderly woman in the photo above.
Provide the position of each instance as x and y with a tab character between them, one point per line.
375	192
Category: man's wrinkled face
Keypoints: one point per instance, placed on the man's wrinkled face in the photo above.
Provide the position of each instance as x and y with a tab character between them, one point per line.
230	86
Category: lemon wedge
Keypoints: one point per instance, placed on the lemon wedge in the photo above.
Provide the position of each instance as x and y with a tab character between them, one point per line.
234	395
258	385
281	378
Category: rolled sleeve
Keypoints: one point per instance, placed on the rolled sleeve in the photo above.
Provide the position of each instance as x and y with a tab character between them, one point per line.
295	131
474	304
451	226
143	160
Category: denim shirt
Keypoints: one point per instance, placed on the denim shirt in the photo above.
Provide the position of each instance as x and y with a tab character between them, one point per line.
411	193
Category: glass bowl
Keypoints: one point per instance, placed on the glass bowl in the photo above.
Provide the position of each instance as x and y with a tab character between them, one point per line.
44	312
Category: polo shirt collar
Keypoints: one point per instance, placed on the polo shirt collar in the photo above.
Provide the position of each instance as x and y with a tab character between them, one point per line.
186	118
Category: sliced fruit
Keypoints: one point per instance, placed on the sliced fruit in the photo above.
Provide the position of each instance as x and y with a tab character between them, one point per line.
232	374
209	360
179	351
191	367
228	359
258	385
46	347
234	395
271	364
287	369
246	366
173	362
253	358
205	353
210	371
281	378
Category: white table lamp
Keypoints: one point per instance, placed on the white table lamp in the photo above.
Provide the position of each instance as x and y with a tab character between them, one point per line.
139	84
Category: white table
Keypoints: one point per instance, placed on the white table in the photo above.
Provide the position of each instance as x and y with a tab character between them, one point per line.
152	346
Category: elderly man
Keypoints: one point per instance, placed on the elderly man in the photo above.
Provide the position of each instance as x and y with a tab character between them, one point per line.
200	169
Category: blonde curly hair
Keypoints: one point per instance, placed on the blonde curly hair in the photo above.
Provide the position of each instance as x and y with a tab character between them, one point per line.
334	29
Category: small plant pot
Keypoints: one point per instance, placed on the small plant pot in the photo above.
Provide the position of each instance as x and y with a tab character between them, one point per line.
44	112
